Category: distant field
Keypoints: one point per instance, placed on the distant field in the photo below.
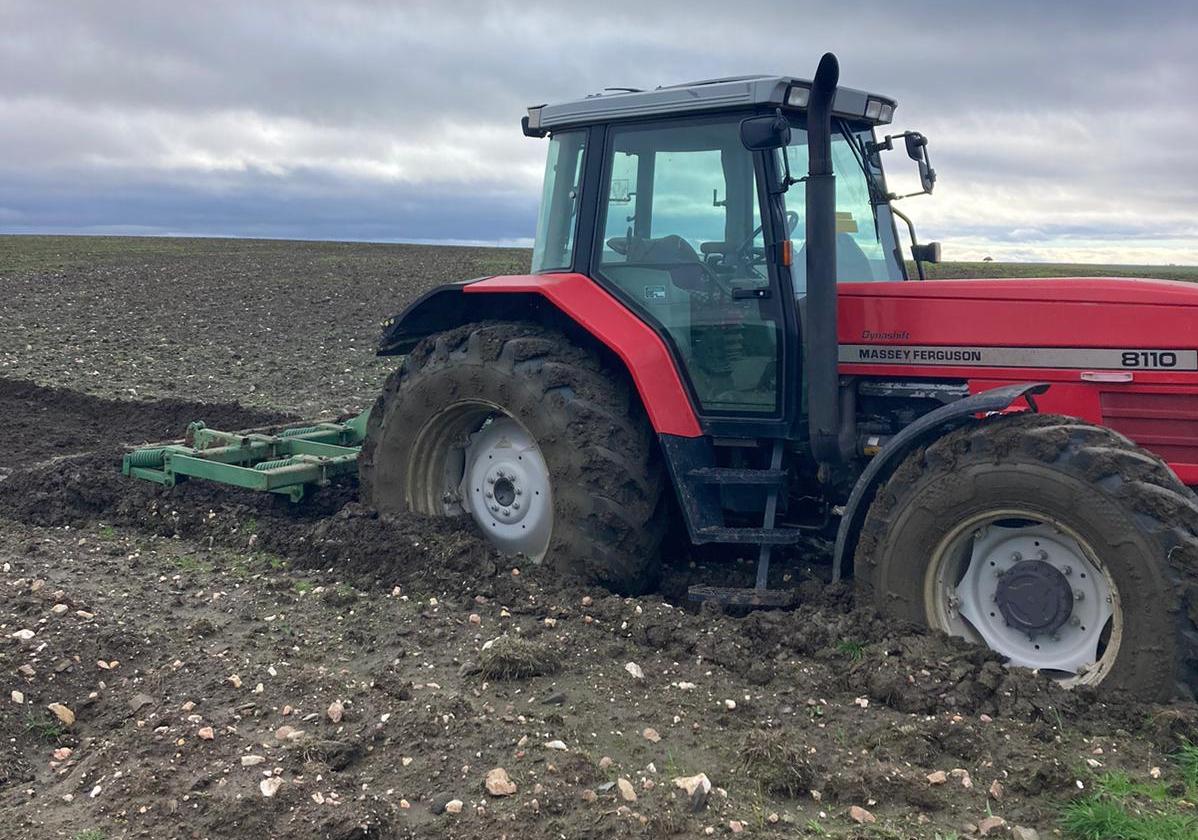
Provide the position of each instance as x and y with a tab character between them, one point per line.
23	254
952	270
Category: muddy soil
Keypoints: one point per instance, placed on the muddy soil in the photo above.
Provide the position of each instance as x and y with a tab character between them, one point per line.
287	326
213	647
200	637
40	423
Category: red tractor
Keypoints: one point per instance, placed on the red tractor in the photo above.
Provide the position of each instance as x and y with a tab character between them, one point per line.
706	335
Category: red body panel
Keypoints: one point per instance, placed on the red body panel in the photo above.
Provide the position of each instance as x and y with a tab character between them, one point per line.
642	350
1157	408
1087	323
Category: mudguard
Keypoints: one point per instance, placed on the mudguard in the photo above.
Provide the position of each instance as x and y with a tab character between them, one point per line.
929	426
547	299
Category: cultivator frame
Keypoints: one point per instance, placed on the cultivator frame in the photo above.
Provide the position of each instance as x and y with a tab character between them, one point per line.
286	462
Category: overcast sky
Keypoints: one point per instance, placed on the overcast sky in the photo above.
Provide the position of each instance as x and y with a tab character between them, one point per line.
1059	130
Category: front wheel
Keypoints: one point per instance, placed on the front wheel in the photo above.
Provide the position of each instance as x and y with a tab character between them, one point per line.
528	434
1061	545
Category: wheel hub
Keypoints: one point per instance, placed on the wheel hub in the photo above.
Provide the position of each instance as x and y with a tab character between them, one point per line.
1030	592
505	487
1034	597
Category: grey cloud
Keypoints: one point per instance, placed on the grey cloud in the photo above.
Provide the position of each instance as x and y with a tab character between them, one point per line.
207	117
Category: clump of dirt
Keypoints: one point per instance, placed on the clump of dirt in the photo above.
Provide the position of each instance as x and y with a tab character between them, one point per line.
511	658
775	760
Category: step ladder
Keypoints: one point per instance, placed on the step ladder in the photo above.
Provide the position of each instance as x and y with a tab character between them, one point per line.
767	536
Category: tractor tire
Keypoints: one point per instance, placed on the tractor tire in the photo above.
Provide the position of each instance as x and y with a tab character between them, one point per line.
599	461
1092	490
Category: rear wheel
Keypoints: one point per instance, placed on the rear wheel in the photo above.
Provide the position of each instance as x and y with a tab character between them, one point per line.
1061	545
525	432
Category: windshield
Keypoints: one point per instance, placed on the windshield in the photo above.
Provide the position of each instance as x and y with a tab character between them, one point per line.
865	242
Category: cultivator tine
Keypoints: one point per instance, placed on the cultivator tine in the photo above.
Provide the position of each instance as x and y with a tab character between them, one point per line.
285	462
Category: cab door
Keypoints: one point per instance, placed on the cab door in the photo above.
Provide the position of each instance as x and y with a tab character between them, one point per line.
681	241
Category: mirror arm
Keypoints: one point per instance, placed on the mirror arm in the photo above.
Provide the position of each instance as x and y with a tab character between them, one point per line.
914	241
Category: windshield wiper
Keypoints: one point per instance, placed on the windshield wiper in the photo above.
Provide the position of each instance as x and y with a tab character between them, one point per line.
876	194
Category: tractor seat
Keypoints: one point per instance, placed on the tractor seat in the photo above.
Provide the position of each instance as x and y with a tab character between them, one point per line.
851	264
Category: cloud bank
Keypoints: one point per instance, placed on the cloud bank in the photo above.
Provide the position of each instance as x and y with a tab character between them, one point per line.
1059	131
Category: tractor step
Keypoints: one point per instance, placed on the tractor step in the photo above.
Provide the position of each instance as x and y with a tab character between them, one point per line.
737	597
734	476
748	536
287	461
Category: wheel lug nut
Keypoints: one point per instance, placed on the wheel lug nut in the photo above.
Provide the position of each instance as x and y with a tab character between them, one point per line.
1078	595
1068	570
1075	621
490	479
1042	554
1016	557
507	512
494	508
515	505
519	492
490	495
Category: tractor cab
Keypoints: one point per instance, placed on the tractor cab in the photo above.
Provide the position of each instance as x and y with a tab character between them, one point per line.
665	199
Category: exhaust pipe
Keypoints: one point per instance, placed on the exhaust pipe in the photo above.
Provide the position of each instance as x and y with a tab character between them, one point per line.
822	347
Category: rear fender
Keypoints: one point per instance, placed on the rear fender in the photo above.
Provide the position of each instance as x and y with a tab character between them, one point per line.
546	299
927	428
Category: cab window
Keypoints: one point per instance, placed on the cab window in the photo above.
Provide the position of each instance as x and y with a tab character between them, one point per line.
681	240
553	248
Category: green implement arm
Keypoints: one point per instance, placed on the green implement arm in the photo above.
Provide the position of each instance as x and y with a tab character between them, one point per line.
285	462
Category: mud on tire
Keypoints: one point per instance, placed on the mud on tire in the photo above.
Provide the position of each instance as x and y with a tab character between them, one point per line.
1124	501
605	472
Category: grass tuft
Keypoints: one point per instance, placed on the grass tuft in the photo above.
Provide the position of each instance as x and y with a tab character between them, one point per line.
43	727
773	759
853	650
1187	761
512	658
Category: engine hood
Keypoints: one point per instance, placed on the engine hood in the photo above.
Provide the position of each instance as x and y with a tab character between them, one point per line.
1087	312
1063	289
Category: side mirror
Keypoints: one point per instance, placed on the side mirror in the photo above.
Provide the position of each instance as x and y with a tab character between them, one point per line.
928	252
759	134
917	150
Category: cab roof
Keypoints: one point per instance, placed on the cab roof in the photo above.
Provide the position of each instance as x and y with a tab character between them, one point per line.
708	95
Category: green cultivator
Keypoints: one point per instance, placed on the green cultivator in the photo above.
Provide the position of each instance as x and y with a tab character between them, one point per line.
286	462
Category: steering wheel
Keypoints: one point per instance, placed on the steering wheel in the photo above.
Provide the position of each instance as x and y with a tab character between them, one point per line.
744	251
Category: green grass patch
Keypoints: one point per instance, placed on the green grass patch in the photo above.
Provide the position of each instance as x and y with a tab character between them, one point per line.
1187	762
90	834
1098	817
190	563
853	650
1122	807
46	728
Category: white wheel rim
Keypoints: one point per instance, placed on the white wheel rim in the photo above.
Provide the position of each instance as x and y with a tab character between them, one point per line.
505	486
966	594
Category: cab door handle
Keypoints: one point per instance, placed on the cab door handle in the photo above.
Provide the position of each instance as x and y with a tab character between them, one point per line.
760	293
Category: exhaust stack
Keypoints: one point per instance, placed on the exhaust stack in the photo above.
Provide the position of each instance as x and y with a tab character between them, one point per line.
823	378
